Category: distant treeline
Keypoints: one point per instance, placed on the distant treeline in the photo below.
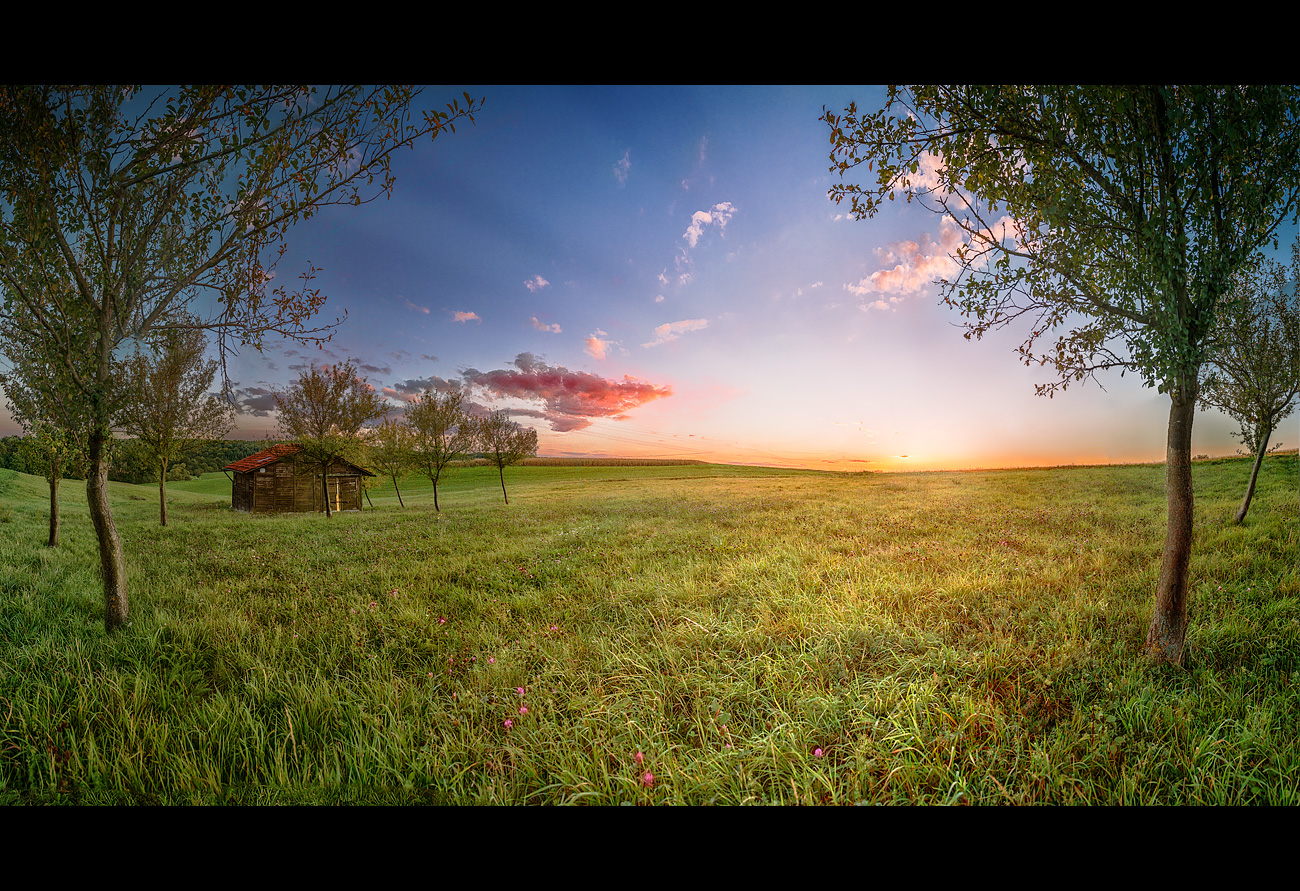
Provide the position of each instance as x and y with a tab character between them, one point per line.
479	460
130	462
608	462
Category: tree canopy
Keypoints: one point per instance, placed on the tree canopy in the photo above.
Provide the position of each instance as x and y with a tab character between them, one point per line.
1115	216
1254	367
121	205
170	410
441	432
323	412
504	442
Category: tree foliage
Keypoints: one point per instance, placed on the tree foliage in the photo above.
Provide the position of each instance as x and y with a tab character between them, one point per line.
441	432
170	410
504	442
388	450
1254	366
120	206
324	412
1115	216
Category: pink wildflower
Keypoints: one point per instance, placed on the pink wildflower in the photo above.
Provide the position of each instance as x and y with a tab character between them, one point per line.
519	690
639	757
817	753
523	709
648	780
509	723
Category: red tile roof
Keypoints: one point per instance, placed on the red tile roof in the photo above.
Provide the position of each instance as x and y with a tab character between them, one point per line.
273	454
266	456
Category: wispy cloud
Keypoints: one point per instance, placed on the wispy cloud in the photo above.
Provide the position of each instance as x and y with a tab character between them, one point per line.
719	216
571	399
536	283
553	329
621	168
423	309
458	316
672	330
410	390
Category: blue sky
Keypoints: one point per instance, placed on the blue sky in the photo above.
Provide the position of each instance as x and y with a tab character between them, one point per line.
659	271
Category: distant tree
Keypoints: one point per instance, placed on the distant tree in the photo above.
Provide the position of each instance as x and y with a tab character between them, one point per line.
120	205
1254	371
323	412
504	442
388	449
55	420
1119	214
56	453
170	411
441	433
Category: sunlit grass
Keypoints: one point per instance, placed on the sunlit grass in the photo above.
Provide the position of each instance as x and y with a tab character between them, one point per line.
760	636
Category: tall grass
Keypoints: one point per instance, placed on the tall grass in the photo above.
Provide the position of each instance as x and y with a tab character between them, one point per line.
756	635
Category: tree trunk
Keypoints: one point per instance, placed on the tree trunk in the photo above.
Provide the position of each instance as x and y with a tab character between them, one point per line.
501	470
1262	443
1168	631
435	495
400	503
325	487
54	511
111	561
162	492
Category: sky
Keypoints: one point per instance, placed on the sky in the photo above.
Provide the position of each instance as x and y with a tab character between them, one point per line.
659	272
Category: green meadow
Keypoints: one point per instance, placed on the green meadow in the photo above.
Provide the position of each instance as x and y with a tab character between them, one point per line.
696	634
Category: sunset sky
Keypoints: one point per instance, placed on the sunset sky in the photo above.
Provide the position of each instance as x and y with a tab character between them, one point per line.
657	271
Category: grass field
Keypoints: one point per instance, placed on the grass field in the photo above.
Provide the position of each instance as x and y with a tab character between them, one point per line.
682	634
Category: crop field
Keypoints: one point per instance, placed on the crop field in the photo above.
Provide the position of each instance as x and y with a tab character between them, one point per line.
688	634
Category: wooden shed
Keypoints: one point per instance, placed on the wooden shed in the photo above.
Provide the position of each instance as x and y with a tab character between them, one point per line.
273	481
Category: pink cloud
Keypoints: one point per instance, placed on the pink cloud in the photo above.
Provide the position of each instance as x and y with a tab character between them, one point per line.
595	346
465	317
915	265
571	398
673	330
553	329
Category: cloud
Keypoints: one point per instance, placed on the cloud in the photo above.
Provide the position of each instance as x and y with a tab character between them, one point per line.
621	168
570	398
911	266
596	346
659	299
554	329
672	330
465	316
411	390
256	401
423	309
536	283
720	215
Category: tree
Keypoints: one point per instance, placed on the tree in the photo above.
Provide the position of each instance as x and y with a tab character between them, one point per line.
323	412
1120	214
505	443
55	421
388	449
119	207
441	432
55	452
171	411
1254	370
